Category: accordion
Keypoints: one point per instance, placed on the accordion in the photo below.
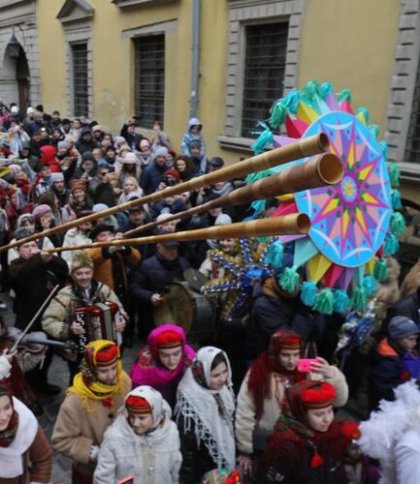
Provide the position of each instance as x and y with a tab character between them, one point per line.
98	321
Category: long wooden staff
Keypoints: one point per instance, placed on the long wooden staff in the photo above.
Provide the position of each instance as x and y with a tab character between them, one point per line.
37	314
325	169
301	149
294	223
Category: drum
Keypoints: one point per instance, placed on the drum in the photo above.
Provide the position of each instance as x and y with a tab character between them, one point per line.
189	309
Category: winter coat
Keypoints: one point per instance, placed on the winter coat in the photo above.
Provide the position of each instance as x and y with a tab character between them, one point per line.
388	371
271	313
189	136
77	429
196	456
72	238
32	280
407	306
153	458
154	274
110	268
294	455
151	177
29	448
246	422
48	157
59	315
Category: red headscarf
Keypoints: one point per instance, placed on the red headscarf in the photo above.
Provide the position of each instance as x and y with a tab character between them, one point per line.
259	382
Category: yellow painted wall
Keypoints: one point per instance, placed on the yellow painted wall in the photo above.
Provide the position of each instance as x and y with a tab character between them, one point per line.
113	64
52	57
351	43
348	42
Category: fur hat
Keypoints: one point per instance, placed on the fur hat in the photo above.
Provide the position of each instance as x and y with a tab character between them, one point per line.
56	177
98	229
137	405
169	339
130	159
81	259
78	184
284	339
107	356
318	396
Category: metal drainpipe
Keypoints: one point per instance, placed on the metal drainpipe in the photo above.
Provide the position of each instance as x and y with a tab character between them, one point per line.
195	64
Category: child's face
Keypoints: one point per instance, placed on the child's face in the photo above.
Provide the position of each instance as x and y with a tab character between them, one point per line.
45	172
195	129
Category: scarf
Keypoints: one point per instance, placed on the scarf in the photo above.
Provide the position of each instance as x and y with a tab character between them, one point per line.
88	387
259	381
12	456
209	411
149	371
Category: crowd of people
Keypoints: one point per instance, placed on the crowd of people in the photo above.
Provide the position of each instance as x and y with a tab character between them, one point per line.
256	400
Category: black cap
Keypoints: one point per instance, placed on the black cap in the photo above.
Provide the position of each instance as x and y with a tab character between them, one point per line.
217	162
98	229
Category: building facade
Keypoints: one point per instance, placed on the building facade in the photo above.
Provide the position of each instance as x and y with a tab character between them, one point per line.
224	61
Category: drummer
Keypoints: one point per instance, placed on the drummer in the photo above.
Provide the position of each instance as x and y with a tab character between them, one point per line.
163	361
151	279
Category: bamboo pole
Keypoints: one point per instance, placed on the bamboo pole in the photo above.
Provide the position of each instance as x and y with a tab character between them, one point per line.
294	223
325	169
293	151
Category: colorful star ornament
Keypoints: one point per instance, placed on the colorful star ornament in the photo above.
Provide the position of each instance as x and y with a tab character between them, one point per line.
241	271
355	223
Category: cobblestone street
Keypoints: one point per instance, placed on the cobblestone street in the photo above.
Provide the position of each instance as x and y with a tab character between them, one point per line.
58	375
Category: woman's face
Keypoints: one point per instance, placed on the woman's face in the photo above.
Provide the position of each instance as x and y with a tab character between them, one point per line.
141	423
320	419
79	195
6	412
227	245
129	186
45	220
170	357
180	165
288	359
218	376
144	146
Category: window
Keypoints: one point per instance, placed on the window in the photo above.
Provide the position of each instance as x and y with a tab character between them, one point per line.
80	79
413	138
265	62
150	79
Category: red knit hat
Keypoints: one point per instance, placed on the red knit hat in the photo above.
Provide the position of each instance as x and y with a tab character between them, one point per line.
318	396
168	339
137	405
173	173
107	356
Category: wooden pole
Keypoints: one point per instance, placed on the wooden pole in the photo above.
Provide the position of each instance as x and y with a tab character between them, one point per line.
325	169
294	223
293	151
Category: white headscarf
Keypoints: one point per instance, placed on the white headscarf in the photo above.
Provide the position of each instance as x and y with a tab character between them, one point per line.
160	408
210	411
